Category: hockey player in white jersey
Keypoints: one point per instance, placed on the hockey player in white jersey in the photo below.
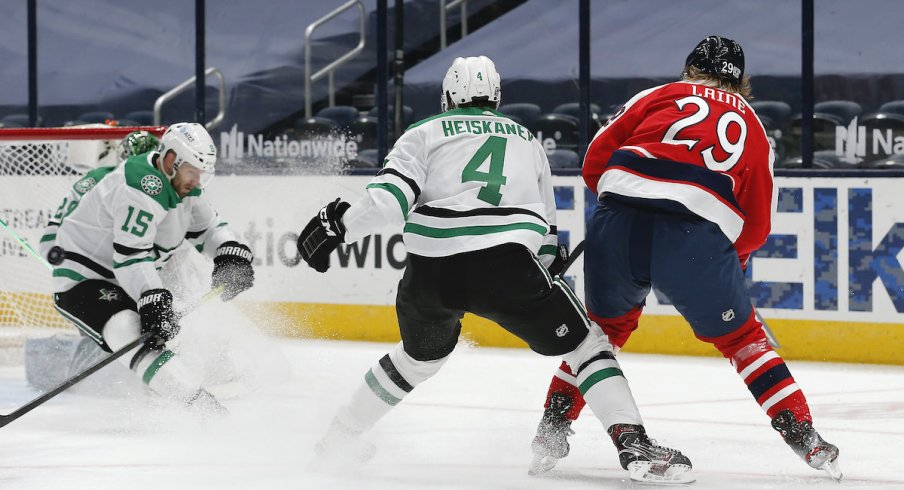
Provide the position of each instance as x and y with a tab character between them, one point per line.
134	143
472	191
122	231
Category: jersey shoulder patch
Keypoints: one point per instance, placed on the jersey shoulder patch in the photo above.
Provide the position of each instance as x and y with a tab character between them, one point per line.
90	179
142	176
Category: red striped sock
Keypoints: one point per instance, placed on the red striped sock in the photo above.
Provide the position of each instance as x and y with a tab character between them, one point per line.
763	370
770	382
565	382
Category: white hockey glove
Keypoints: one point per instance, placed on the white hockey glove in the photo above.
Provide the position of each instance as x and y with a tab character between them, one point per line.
322	235
232	269
155	307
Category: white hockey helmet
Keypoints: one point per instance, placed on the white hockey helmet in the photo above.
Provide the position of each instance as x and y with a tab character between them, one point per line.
192	144
471	78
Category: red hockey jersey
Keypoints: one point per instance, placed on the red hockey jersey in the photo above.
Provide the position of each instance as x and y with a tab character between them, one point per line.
695	145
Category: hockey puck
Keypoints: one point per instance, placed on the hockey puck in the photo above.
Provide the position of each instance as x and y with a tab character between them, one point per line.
56	255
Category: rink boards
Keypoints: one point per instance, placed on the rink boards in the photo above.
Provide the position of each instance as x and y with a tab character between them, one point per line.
828	281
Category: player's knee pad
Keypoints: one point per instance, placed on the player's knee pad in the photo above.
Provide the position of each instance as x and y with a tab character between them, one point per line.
411	370
121	329
596	343
748	340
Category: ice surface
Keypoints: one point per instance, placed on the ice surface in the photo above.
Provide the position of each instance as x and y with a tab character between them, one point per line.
468	427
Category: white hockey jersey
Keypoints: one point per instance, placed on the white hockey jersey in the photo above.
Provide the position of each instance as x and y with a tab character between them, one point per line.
70	202
464	180
129	224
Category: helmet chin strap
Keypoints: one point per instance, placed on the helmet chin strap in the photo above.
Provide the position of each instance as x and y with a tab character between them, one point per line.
162	168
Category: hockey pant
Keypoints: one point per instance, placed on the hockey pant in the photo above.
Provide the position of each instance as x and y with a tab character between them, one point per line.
630	248
104	312
520	296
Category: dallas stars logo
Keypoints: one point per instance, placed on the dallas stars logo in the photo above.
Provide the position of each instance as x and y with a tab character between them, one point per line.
109	295
85	185
151	184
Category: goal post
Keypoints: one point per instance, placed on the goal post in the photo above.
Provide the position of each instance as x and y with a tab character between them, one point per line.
37	168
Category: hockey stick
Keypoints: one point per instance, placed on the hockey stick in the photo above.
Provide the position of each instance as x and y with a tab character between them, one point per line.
578	250
24	244
770	337
15	414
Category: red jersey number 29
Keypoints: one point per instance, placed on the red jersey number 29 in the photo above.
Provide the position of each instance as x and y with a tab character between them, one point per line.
733	149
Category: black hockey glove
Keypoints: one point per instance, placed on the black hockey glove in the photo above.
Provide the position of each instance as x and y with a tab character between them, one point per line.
232	269
558	264
155	307
322	235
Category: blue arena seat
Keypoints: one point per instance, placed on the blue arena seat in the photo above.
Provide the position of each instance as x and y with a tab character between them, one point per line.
526	112
342	115
364	131
895	107
365	159
21	120
574	109
845	110
407	115
314	126
560	158
561	128
774	112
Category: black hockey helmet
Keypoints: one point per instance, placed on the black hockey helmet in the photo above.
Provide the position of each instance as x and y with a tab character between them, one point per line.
718	56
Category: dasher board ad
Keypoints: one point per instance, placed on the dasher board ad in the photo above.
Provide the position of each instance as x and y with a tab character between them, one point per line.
834	252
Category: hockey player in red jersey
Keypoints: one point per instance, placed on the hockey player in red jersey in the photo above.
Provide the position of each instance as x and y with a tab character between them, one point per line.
684	177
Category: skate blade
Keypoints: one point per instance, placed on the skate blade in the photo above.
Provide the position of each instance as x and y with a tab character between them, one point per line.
345	455
541	464
833	469
647	472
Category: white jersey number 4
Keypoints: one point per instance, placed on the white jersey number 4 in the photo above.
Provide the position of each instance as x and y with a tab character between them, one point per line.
494	149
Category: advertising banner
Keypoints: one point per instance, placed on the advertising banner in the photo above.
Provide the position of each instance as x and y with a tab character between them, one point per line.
829	278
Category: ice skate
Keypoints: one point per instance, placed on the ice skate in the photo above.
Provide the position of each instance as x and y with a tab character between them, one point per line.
551	442
808	444
204	402
647	462
342	446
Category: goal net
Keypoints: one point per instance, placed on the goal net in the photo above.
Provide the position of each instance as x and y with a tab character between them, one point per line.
37	168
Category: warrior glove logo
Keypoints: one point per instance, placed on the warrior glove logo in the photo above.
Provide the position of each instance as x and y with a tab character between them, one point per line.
151	184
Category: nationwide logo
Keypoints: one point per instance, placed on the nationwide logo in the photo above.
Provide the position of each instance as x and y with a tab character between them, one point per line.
853	143
236	145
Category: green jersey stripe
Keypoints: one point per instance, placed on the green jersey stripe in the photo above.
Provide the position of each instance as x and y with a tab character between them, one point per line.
396	192
71	274
431	232
548	250
119	265
48	237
